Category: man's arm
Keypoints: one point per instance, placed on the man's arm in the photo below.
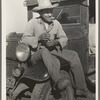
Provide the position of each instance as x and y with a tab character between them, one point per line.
61	38
61	35
29	36
30	40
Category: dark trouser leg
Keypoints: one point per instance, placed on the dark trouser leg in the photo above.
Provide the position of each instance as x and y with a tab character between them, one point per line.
51	62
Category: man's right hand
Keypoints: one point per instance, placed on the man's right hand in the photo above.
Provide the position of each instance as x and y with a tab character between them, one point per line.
44	37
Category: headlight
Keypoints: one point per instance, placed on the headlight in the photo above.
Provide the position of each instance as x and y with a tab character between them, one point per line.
22	52
16	72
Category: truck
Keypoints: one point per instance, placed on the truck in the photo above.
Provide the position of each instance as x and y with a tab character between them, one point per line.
74	17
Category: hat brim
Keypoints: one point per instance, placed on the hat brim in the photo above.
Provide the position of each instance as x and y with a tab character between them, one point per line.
36	9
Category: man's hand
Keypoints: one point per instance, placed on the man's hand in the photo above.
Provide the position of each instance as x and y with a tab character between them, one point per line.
44	37
52	43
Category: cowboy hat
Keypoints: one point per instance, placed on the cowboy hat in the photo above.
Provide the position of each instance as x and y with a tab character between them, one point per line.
44	4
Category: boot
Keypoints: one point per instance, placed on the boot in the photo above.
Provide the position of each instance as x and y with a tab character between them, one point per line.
62	83
84	93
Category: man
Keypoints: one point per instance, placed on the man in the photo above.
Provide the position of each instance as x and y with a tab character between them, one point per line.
45	34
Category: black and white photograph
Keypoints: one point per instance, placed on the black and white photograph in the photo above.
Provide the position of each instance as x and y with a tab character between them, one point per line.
49	50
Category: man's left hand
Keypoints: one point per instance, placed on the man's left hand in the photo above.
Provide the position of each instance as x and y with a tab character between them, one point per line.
52	43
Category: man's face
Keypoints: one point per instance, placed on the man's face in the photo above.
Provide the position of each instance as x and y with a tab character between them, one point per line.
47	15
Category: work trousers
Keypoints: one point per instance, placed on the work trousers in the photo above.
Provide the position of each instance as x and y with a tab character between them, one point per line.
52	64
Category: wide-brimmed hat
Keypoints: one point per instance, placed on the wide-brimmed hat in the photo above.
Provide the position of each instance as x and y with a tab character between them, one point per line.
44	4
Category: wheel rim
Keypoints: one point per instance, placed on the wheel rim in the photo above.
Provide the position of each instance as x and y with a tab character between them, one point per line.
90	79
91	76
91	71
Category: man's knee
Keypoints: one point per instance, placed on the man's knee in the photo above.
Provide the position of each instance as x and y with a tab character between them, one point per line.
44	51
75	54
41	53
70	53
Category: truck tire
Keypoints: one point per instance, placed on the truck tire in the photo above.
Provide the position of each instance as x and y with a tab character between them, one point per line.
44	92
